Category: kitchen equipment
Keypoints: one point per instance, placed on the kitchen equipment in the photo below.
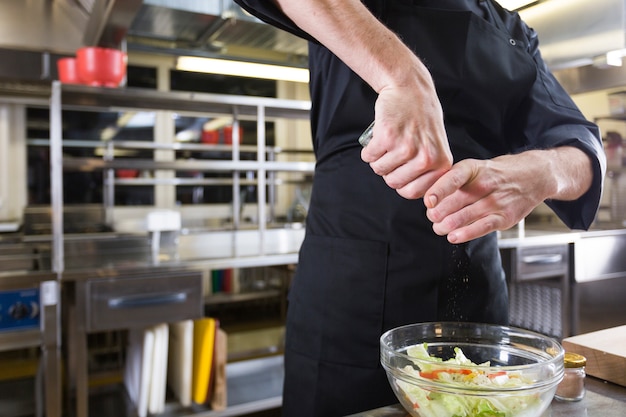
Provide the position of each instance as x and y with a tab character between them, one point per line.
19	309
126	173
68	71
180	362
100	66
156	404
228	135
204	332
210	137
538	279
605	351
137	372
219	395
520	379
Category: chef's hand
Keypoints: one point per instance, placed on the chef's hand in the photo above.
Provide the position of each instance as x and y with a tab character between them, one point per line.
477	197
409	147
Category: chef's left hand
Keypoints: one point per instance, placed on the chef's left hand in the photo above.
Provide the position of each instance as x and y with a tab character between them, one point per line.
477	197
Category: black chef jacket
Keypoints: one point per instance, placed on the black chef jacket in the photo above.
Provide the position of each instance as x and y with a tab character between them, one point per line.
370	261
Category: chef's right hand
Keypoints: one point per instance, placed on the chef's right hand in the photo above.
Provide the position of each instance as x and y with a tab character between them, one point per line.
409	147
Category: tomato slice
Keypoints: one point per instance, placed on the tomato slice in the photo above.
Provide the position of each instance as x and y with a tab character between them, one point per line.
435	372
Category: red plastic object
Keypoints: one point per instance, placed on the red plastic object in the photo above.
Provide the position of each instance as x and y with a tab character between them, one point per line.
210	137
228	134
67	71
101	66
127	173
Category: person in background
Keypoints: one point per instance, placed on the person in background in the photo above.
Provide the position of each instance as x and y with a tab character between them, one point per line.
471	133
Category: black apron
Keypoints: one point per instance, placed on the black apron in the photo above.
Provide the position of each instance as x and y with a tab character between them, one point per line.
370	260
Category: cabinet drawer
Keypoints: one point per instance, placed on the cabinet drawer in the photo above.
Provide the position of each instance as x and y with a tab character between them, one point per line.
142	301
542	261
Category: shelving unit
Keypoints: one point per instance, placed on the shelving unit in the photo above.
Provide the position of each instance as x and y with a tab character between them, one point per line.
241	246
103	99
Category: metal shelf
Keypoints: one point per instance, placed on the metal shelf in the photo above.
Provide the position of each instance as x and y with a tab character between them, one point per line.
19	339
90	164
106	99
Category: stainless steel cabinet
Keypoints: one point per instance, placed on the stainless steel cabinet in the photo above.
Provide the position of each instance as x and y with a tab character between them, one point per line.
122	302
539	288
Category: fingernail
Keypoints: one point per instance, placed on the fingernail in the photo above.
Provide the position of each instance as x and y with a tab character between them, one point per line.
432	200
452	238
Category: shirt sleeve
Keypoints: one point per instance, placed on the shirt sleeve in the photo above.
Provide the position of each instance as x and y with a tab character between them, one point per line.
270	13
550	118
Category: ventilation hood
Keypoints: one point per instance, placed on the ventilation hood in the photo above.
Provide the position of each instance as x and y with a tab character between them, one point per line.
213	29
574	33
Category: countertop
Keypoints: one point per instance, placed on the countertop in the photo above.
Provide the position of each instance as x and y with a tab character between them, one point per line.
603	399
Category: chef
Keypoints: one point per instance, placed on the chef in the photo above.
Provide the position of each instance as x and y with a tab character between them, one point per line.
471	133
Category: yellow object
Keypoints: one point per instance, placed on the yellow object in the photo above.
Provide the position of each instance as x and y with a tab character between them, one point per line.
203	349
18	368
574	360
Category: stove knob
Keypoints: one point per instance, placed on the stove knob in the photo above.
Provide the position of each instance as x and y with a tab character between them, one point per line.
34	309
18	311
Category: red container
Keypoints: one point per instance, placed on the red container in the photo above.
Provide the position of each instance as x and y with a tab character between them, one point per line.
127	173
210	137
101	66
228	134
67	71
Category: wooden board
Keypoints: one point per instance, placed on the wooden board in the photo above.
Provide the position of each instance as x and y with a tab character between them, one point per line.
605	351
219	396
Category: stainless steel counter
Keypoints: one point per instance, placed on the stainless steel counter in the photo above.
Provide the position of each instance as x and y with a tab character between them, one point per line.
603	399
104	254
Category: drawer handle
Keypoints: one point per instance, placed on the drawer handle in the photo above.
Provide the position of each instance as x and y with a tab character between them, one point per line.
133	301
542	259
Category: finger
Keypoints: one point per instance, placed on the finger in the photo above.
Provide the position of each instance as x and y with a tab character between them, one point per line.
373	151
479	228
376	148
403	175
390	162
416	188
459	175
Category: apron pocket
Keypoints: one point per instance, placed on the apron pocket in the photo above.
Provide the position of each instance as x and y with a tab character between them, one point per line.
336	301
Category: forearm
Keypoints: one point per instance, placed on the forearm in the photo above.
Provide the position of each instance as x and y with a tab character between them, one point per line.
354	35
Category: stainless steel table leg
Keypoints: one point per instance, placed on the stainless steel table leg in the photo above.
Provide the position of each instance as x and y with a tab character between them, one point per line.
50	347
52	372
81	377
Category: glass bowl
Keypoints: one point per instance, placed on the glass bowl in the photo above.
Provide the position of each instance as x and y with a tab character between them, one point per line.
453	369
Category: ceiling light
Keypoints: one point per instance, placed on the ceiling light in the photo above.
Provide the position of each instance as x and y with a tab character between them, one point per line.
614	58
242	69
515	4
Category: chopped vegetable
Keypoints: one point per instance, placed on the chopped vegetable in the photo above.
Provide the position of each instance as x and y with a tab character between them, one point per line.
442	404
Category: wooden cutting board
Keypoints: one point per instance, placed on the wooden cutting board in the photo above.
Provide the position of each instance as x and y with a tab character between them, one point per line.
605	351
